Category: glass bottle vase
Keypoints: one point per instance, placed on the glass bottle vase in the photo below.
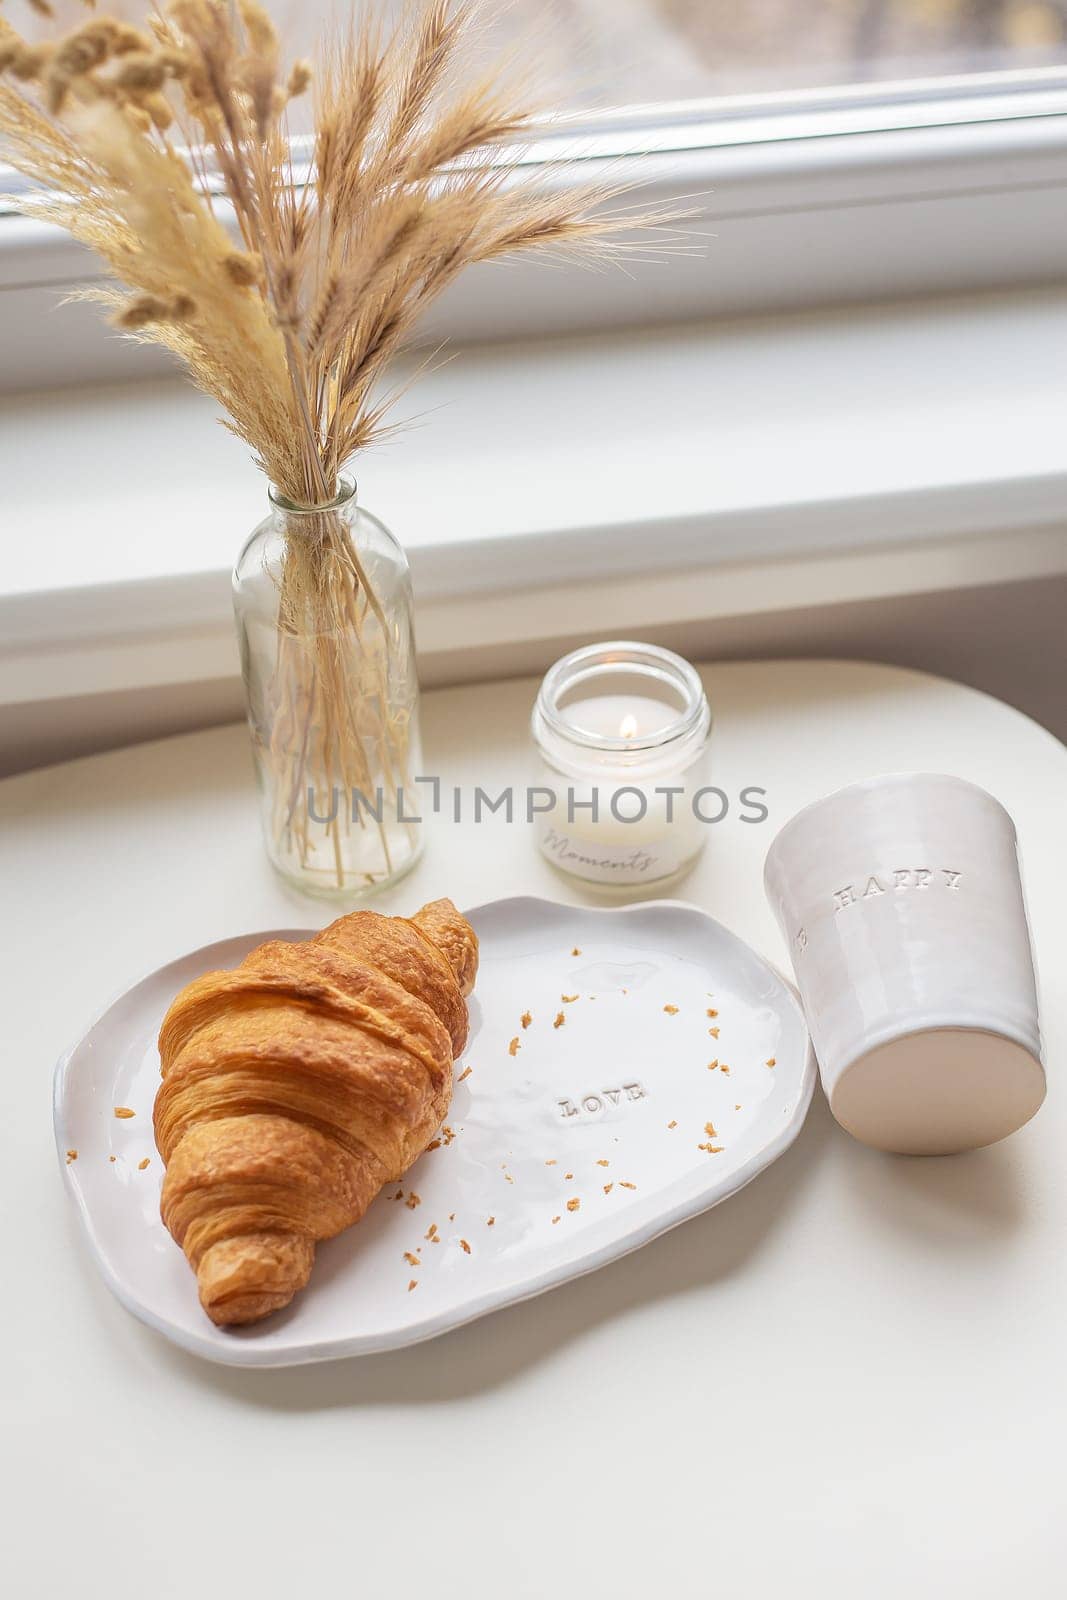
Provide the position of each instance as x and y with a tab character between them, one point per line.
323	603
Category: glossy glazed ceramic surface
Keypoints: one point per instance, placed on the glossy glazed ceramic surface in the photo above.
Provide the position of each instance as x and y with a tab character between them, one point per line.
616	1114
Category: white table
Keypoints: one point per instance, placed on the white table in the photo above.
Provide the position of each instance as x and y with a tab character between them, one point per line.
847	1380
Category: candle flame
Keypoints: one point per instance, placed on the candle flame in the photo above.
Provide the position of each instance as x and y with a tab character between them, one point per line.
628	727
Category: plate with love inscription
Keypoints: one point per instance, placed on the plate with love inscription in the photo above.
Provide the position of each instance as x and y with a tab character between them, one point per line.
627	1069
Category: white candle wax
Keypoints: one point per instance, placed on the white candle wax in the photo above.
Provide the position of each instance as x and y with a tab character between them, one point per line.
635	834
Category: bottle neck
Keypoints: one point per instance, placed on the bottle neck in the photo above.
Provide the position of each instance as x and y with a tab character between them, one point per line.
294	510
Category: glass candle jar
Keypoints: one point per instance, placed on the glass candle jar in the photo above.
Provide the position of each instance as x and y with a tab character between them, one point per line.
622	733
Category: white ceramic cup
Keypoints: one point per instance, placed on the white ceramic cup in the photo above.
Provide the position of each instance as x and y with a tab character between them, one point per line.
902	903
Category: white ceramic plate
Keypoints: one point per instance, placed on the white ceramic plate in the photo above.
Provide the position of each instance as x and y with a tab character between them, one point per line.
586	1142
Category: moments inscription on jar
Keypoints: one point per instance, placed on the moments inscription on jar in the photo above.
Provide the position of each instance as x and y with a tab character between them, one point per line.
589	860
901	880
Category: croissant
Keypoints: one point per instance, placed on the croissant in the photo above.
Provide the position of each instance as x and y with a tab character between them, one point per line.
296	1085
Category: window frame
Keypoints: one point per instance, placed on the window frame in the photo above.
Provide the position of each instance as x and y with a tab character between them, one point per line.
952	179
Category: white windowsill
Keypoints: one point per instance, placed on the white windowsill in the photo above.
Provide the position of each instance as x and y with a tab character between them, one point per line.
572	484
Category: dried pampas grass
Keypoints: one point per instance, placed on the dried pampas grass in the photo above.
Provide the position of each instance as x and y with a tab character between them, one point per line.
165	148
151	143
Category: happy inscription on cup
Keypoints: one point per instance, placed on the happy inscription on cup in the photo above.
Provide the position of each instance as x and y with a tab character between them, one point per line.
899	880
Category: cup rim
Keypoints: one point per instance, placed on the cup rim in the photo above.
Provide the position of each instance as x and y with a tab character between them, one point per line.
875	781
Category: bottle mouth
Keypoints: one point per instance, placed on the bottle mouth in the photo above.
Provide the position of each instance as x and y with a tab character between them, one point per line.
346	488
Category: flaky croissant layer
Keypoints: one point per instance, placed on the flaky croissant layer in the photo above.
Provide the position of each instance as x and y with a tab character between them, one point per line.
296	1085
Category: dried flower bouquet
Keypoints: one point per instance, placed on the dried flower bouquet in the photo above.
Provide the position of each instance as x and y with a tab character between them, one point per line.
286	294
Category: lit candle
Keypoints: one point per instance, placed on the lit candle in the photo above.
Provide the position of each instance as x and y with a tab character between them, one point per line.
622	730
619	716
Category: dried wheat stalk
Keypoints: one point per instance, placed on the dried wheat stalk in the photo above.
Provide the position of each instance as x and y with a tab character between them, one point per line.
165	148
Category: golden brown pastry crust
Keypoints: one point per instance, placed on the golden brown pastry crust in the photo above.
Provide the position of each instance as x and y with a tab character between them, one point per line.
298	1083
